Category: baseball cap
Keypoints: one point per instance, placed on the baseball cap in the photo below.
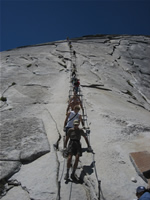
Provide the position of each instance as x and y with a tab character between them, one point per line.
140	189
76	122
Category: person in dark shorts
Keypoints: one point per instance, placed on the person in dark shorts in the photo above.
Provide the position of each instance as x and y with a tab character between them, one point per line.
74	147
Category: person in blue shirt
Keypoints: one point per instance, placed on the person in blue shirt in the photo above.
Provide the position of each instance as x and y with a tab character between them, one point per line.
142	193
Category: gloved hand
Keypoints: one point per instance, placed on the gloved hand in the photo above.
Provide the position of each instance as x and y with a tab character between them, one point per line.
87	131
89	149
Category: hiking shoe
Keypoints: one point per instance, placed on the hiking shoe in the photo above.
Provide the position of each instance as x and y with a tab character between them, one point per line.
73	177
66	176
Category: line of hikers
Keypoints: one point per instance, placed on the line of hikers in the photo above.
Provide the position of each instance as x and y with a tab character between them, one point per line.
72	131
75	81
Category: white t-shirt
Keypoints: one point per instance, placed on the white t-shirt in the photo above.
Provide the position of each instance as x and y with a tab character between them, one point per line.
70	122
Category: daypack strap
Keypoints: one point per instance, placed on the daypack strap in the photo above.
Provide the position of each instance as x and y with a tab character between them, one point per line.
72	117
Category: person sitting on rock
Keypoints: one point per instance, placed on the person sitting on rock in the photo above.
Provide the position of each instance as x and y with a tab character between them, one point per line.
71	116
74	147
142	193
75	100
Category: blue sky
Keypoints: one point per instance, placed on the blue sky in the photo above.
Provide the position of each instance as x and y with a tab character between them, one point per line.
28	22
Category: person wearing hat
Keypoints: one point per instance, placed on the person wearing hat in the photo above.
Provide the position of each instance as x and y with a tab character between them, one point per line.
74	147
142	193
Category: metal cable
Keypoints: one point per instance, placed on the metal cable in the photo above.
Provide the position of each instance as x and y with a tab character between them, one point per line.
70	191
62	171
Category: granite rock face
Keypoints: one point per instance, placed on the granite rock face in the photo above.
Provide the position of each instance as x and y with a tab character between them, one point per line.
22	140
114	77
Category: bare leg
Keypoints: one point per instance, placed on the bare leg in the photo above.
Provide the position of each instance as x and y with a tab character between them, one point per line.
68	166
75	167
76	162
69	161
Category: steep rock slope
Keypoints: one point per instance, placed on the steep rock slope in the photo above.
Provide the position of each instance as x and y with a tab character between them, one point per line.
115	76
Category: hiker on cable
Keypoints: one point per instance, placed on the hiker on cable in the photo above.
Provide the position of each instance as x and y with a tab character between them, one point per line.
74	66
73	79
75	100
73	72
76	85
74	147
71	116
